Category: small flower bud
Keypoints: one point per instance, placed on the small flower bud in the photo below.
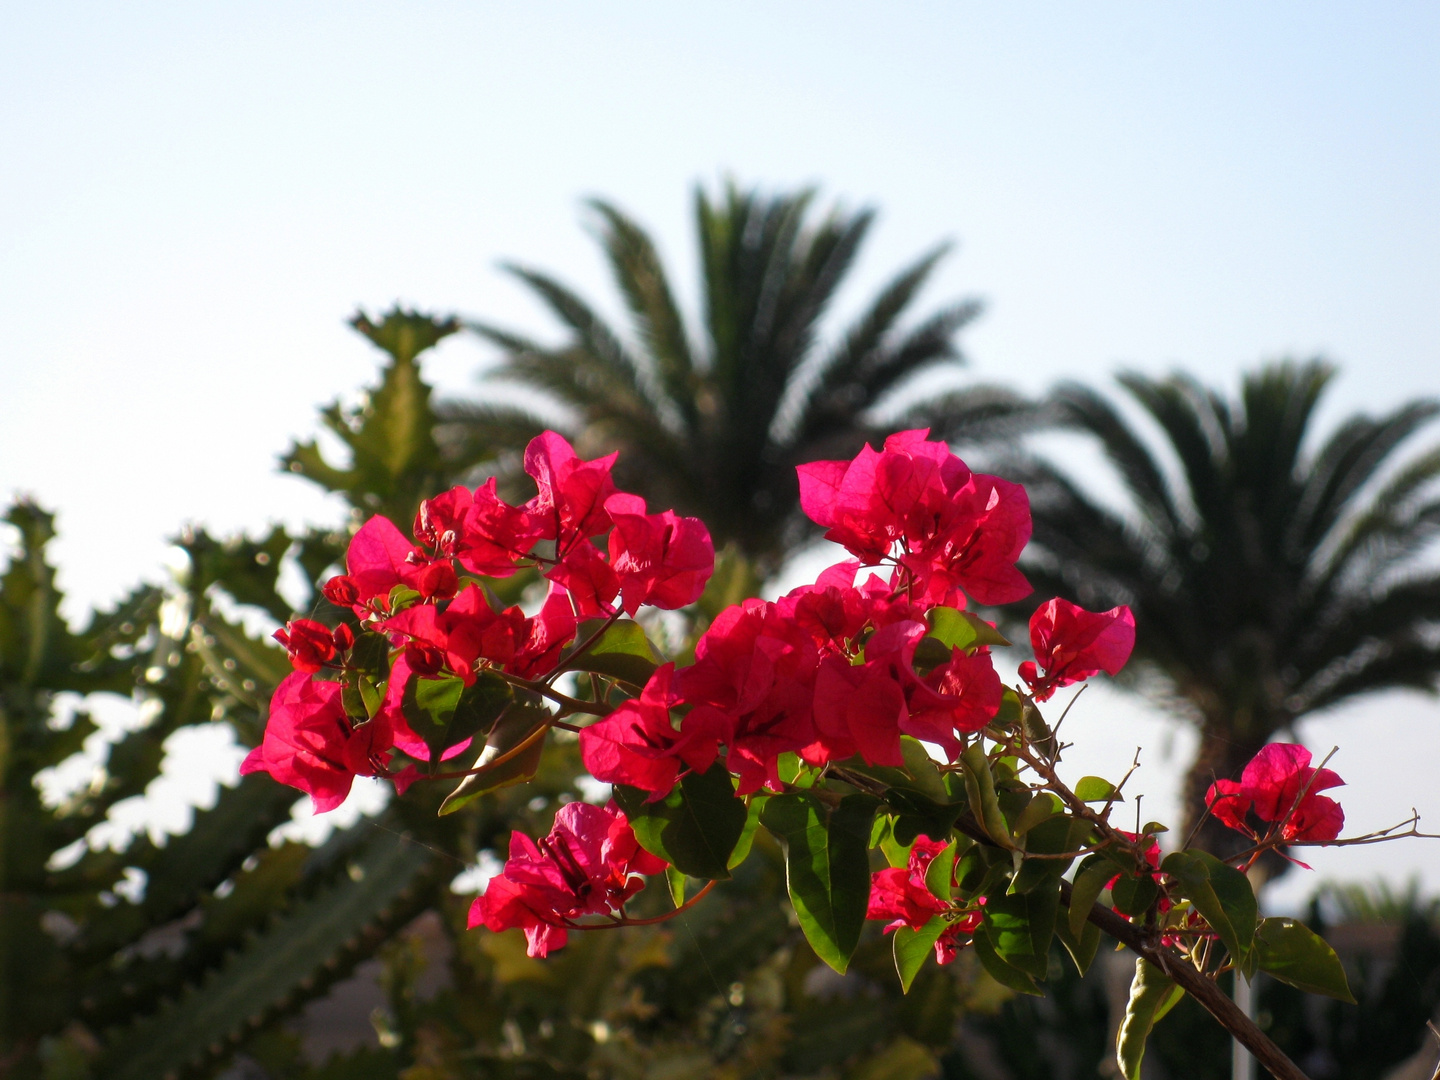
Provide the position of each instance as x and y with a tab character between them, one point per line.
341	591
343	637
309	644
437	581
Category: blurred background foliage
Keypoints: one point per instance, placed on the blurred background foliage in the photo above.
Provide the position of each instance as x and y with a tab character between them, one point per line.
203	955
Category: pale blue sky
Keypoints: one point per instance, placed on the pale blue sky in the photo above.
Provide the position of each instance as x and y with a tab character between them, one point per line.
193	196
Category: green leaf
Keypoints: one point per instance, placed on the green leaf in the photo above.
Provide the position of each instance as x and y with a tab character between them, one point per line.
1010	709
1221	894
1041	808
622	652
371	655
1037	731
1082	948
1055	836
747	834
919	814
1293	953
953	630
1134	893
913	946
695	828
1012	978
370	697
444	712
1090	881
980	788
1095	789
511	755
827	868
940	873
922	770
1020	926
982	870
675	879
1152	995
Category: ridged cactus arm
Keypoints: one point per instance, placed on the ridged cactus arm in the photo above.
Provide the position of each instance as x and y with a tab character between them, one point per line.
316	943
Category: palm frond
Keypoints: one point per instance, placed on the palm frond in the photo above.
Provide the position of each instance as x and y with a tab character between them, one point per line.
1082	408
1348	461
638	272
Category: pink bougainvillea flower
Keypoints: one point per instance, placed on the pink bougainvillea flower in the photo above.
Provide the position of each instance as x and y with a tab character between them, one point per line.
662	559
341	591
541	639
440	521
591	581
457	636
1071	644
1271	785
379	558
311	744
754	677
437	580
311	646
494	535
958	532
638	745
985	528
901	492
570	499
900	897
961	695
858	709
587	865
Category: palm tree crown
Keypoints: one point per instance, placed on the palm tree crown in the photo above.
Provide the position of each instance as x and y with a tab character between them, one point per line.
1267	580
714	423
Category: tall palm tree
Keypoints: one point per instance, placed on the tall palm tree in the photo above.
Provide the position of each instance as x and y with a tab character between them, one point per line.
1270	576
714	422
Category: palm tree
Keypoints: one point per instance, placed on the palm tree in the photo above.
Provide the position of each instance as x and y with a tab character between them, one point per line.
1269	580
714	423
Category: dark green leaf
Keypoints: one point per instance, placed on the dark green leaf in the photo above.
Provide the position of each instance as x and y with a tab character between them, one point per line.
1020	926
1220	893
980	788
1054	836
913	946
922	770
827	868
1134	893
1293	953
1041	808
371	655
1152	995
919	814
981	870
696	827
1090	881
1082	948
622	652
1011	978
